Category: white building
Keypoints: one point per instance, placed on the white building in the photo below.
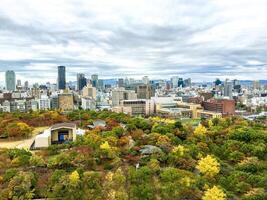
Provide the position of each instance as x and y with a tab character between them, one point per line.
57	134
88	103
44	103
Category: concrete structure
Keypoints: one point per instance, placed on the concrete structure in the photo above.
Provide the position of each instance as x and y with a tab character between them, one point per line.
89	91
223	106
208	114
10	80
120	94
140	106
145	91
88	103
44	103
56	134
66	101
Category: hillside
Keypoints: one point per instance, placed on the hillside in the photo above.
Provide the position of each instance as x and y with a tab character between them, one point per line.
138	159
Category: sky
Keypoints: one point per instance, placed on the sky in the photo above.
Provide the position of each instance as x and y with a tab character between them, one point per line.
201	39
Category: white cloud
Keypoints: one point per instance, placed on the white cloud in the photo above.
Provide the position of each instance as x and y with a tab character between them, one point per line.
118	37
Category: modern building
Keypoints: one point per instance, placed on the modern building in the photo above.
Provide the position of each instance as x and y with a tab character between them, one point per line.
142	107
89	91
61	78
145	91
120	82
228	87
224	106
44	103
10	80
81	81
94	79
119	94
145	80
88	103
56	134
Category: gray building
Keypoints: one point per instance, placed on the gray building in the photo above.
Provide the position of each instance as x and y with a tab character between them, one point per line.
61	78
81	81
228	87
10	80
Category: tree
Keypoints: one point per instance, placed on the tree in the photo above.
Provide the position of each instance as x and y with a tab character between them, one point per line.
214	193
200	130
208	166
22	186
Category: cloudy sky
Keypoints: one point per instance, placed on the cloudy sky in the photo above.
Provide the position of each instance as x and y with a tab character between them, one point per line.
202	39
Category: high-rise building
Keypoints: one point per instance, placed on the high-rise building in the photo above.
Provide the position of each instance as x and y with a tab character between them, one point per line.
100	85
120	94
18	83
174	81
26	85
61	78
181	82
256	85
187	82
145	80
145	91
120	82
94	79
89	91
10	80
81	81
228	87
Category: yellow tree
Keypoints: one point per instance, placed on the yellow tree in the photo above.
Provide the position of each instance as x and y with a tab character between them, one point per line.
214	193
74	178
200	130
208	166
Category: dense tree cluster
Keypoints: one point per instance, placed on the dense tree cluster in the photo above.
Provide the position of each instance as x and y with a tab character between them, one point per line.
143	159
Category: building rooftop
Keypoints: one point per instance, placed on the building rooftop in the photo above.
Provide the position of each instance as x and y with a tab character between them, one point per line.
63	125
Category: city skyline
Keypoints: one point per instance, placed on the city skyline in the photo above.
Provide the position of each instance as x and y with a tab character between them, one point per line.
198	39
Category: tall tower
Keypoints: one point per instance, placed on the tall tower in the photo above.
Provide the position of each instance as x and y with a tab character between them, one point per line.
94	79
81	81
61	77
228	86
10	80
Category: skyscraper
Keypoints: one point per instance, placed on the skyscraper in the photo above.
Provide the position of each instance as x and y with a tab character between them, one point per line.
61	78
81	81
228	86
120	82
94	79
10	80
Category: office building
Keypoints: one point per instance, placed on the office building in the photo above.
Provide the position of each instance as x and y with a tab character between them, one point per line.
44	103
120	94
145	91
120	82
94	80
224	106
10	80
228	87
61	78
81	81
89	91
142	107
174	81
145	80
88	103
